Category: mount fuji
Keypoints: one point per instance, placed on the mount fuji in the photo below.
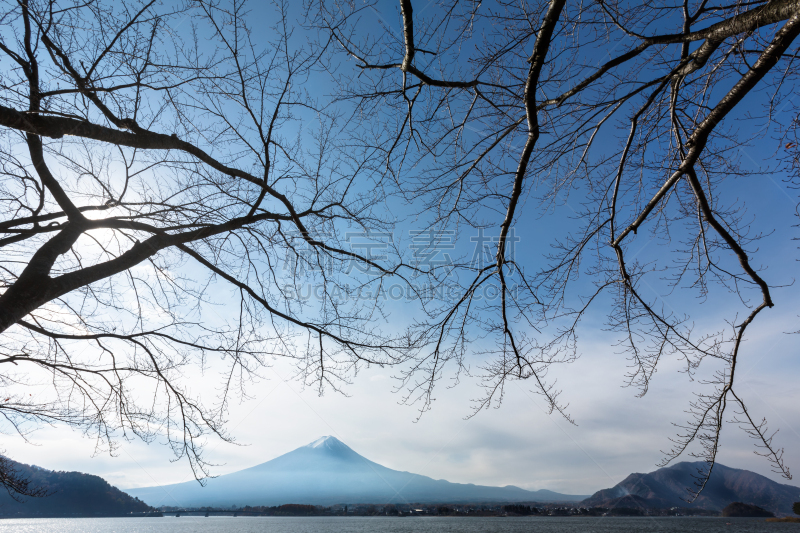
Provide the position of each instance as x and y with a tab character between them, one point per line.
328	472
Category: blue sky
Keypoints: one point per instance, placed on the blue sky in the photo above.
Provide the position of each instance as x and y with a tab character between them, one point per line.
518	443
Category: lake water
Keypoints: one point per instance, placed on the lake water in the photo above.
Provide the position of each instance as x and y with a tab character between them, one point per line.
227	524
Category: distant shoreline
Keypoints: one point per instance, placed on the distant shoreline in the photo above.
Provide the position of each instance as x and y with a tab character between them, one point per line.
787	519
419	512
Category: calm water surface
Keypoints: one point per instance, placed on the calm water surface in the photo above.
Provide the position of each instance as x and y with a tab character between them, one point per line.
191	524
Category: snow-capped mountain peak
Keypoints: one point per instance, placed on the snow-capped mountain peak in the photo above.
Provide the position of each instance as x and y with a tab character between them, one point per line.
325	472
322	441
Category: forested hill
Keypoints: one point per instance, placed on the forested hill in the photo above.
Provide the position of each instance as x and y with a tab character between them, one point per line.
667	487
71	494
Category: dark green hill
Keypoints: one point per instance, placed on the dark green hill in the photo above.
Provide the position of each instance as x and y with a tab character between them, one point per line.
743	510
667	487
71	494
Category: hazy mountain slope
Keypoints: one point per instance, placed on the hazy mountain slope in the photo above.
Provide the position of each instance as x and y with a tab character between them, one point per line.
72	494
324	473
666	487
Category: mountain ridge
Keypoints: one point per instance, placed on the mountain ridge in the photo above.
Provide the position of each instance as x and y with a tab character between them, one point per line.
667	487
327	472
71	494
